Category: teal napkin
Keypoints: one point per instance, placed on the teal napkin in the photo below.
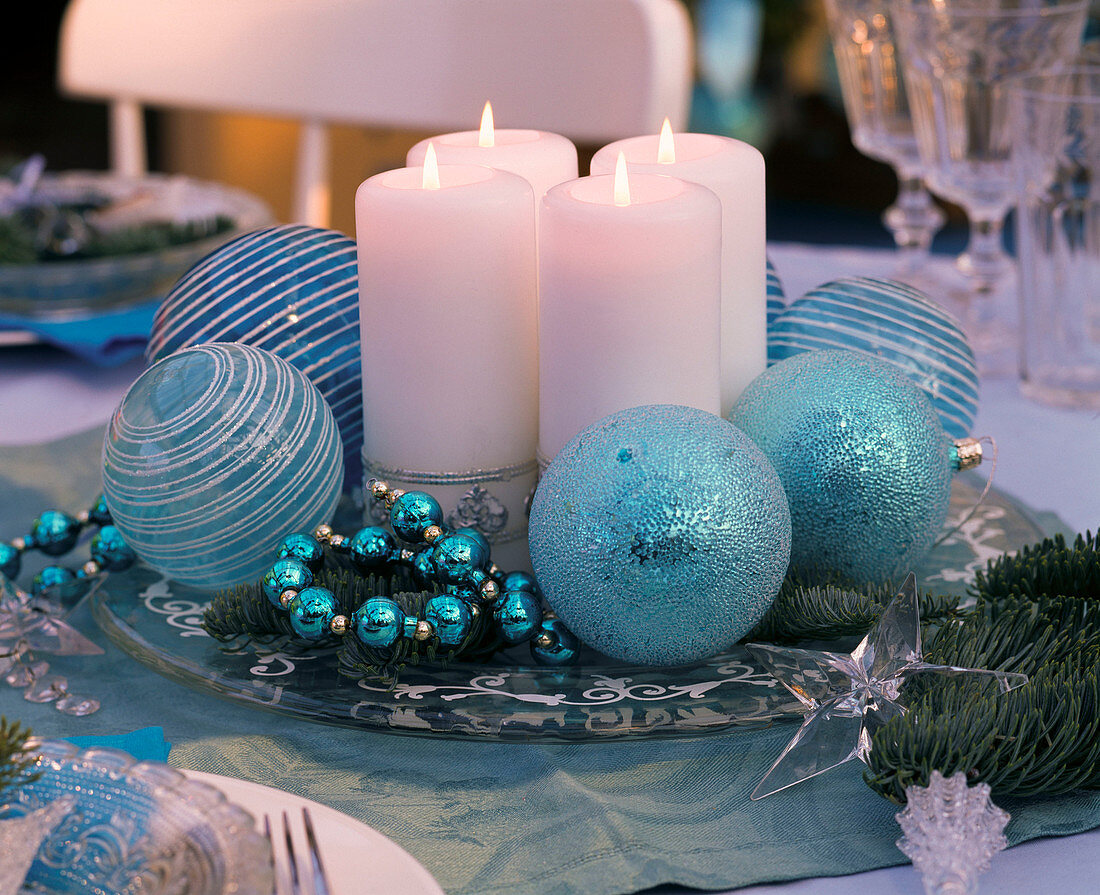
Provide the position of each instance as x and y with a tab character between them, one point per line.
146	744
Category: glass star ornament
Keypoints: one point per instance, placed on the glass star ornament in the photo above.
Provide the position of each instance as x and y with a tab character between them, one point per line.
848	698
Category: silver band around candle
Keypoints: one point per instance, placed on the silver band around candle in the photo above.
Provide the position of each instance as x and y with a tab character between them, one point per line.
494	501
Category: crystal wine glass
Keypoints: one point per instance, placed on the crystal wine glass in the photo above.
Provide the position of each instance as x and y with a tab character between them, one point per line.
958	57
878	114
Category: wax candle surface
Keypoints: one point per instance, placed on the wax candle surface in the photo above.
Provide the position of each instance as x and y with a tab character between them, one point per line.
734	171
541	158
629	301
448	322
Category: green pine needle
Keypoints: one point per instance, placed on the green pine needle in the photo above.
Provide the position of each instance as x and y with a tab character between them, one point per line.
1050	568
14	762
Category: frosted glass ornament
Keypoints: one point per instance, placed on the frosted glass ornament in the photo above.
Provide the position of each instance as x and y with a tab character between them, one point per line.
215	453
892	321
660	534
863	457
292	290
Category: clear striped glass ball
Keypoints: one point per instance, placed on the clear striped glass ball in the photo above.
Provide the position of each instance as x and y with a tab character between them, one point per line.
216	453
777	299
894	322
292	290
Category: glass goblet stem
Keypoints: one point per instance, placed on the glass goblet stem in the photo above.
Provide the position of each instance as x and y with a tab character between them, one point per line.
985	261
913	219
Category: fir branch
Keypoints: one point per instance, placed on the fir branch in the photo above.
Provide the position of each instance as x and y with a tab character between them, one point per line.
832	610
14	761
1050	568
1039	739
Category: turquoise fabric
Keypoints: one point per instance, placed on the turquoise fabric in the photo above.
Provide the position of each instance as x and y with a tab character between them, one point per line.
146	744
492	818
106	339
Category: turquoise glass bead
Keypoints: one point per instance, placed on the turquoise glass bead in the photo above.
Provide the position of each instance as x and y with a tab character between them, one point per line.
98	513
284	573
304	548
519	581
110	550
450	616
455	556
412	512
53	577
408	627
312	611
213	455
379	622
371	547
10	561
518	615
564	649
54	533
292	290
477	536
421	566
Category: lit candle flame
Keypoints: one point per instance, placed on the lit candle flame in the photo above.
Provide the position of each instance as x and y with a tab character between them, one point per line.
430	177
622	184
487	136
666	148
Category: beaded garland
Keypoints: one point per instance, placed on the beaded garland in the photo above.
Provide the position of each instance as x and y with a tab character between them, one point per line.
55	533
457	560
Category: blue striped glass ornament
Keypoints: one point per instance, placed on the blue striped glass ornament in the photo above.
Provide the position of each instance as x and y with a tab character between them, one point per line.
213	456
777	301
892	321
292	290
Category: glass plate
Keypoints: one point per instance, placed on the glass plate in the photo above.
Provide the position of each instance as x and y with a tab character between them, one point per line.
159	623
136	827
70	289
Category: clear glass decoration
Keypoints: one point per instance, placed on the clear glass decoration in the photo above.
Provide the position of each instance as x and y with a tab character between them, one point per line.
21	837
877	108
951	833
215	453
850	697
30	625
896	323
292	290
136	827
959	57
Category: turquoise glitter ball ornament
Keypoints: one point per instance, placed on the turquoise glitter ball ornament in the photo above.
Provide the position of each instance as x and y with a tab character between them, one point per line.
660	534
292	290
214	454
864	460
892	321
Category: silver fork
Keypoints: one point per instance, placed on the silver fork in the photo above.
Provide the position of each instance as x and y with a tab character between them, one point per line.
292	869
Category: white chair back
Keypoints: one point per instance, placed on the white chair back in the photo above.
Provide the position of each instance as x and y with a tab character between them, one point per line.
592	70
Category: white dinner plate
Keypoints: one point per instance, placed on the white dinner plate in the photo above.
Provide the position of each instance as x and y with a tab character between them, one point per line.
358	860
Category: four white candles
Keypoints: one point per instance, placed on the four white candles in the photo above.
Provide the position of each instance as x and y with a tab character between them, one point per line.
449	325
734	171
541	158
629	313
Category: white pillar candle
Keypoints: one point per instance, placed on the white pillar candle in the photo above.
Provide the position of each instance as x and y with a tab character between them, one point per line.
449	339
541	158
629	301
734	171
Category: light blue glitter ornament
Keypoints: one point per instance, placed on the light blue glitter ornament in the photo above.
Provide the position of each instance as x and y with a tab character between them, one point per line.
214	454
863	457
660	534
893	321
292	290
777	299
